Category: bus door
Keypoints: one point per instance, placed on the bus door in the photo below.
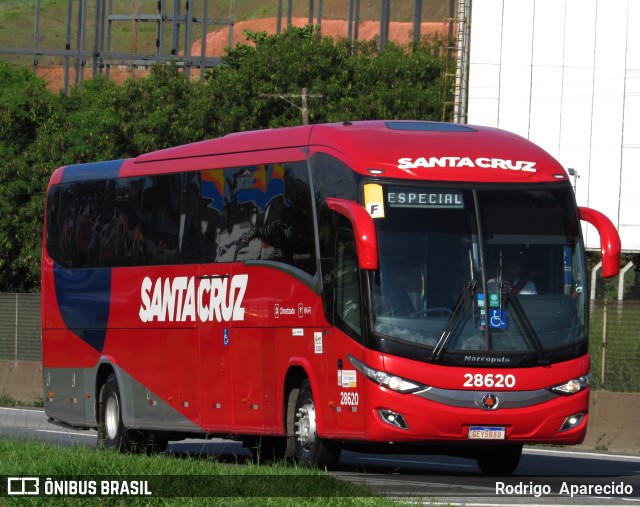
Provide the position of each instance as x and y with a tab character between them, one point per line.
348	305
250	349
216	336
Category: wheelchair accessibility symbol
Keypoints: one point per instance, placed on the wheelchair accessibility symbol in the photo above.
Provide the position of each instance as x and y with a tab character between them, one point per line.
497	319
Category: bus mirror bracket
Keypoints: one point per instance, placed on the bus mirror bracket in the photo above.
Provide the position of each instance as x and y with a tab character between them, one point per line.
363	229
609	240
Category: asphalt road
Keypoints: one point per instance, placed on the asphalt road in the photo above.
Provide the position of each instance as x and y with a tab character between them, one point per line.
546	476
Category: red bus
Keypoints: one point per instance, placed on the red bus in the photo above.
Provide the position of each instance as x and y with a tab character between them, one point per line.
398	286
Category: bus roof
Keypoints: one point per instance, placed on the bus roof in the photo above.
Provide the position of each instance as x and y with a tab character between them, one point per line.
406	149
402	149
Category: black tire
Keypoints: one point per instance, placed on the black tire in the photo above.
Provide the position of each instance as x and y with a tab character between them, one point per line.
309	449
112	433
499	460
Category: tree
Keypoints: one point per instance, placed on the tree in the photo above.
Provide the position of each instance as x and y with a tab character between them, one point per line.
158	111
356	80
25	104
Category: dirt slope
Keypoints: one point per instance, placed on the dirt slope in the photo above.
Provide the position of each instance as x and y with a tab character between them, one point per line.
217	41
398	32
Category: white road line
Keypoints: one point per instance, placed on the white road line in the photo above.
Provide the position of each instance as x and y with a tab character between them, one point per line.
534	450
70	432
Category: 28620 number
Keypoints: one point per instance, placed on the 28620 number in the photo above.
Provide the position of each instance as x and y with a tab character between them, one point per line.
489	380
349	399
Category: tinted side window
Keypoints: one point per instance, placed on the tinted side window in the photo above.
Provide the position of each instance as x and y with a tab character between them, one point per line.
210	212
347	287
190	225
66	220
161	218
244	201
54	232
265	213
74	213
293	213
121	234
331	178
219	215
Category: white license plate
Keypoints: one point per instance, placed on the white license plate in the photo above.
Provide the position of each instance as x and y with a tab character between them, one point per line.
487	433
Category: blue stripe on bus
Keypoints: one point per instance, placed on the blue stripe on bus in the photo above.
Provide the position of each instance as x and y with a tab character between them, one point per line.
93	171
84	297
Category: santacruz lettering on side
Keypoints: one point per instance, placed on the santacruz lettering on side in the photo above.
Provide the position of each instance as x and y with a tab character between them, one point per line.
183	298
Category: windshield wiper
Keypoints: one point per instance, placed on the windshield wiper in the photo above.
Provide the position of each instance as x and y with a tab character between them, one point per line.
453	320
528	329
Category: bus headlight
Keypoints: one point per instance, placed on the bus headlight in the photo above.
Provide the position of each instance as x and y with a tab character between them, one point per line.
393	382
573	386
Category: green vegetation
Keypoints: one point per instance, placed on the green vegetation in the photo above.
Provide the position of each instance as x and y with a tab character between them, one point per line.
7	401
41	130
227	484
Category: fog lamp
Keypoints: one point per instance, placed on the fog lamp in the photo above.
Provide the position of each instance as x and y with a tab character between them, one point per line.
572	421
393	418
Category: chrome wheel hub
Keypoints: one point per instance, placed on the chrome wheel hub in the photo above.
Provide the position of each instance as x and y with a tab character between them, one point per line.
112	417
306	425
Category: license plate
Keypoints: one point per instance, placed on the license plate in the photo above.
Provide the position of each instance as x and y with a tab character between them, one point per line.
487	433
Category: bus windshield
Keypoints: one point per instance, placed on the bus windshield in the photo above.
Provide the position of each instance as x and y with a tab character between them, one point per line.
480	271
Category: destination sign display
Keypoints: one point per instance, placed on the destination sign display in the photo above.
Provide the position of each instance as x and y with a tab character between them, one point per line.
424	198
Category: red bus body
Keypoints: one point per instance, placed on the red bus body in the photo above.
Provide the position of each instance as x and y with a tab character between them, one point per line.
224	347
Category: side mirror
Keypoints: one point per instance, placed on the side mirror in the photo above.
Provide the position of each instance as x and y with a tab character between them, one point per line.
363	228
609	240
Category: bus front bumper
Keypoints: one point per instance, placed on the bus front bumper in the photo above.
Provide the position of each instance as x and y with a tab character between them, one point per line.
397	417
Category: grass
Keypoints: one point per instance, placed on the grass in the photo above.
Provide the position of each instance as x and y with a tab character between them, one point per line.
168	476
6	400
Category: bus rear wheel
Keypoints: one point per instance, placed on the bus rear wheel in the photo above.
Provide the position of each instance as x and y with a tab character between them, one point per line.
112	433
310	450
499	460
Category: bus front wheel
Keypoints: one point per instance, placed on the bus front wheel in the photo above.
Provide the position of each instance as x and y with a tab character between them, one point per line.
310	450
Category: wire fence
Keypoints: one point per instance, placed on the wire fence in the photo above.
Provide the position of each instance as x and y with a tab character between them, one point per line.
614	345
20	327
614	342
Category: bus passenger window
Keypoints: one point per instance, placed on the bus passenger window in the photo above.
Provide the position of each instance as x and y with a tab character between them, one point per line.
161	217
88	213
54	230
210	212
347	298
190	226
121	234
265	214
110	229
